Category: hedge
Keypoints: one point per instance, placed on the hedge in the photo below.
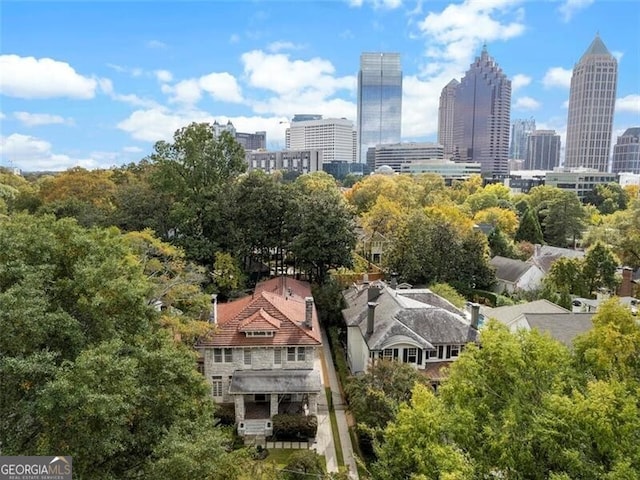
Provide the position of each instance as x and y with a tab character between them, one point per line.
293	427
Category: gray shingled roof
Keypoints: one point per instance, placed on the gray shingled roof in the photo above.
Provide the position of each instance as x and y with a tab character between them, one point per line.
508	269
401	312
563	327
507	314
275	381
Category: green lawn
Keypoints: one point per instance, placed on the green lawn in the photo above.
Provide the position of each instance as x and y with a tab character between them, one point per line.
280	456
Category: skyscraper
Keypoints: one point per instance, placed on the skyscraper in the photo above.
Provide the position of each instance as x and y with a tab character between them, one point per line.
626	152
482	116
543	150
520	131
334	136
445	117
379	101
592	99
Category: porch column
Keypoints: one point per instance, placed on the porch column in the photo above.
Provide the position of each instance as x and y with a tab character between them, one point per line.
274	405
313	404
238	401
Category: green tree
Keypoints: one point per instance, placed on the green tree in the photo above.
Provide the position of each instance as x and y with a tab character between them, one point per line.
563	219
567	277
607	198
599	268
500	244
304	464
448	293
195	172
529	229
325	237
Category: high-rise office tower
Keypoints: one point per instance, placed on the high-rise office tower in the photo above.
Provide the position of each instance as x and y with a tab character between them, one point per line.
482	116
592	99
543	150
445	117
379	101
334	136
520	131
626	152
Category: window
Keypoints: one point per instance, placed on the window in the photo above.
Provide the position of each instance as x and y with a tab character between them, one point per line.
388	354
441	351
247	356
412	355
222	354
301	354
217	386
277	356
291	354
455	350
433	353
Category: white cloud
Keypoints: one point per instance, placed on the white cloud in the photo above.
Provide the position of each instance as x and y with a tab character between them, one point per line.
377	4
29	77
106	87
519	80
36	119
526	103
34	154
630	103
557	77
163	76
133	71
221	86
160	124
279	46
156	44
132	149
569	7
294	76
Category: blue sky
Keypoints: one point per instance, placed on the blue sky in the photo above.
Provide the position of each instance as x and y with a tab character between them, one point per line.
96	84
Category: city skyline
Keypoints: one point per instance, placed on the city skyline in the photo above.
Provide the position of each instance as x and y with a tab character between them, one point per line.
96	84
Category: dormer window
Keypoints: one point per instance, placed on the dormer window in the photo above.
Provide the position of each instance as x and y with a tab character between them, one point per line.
259	333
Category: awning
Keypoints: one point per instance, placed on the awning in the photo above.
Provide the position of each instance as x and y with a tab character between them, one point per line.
275	381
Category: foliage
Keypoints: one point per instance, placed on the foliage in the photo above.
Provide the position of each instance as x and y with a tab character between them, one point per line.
227	275
290	426
85	367
225	413
303	464
529	229
607	198
449	293
375	397
500	244
502	218
329	302
562	215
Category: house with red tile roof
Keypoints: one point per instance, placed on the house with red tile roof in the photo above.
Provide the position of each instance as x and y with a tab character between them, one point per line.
261	354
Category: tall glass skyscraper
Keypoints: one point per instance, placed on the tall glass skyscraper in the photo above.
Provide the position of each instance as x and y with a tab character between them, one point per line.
379	101
592	99
482	115
543	150
520	131
626	152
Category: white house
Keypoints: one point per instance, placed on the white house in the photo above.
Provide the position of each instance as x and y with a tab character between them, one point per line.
515	275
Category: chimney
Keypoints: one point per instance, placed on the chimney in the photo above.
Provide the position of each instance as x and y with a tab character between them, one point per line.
625	289
394	280
536	250
371	316
373	292
213	313
475	315
308	312
365	278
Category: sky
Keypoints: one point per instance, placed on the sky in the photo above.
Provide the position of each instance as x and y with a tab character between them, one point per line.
96	84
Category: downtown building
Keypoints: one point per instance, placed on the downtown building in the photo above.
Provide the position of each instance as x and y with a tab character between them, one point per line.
286	161
445	117
482	117
543	150
249	141
592	100
626	152
379	101
520	131
334	136
399	154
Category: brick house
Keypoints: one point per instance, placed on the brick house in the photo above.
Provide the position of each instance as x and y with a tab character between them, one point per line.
261	356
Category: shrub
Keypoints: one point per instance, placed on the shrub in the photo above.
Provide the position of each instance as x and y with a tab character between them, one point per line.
287	427
226	413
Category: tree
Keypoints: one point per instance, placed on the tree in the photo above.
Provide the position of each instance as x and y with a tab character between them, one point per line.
195	173
563	219
448	293
304	464
498	217
607	198
325	237
85	367
529	229
567	277
500	244
599	269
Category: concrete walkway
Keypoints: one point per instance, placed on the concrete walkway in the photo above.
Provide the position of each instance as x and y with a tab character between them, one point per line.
324	438
329	373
